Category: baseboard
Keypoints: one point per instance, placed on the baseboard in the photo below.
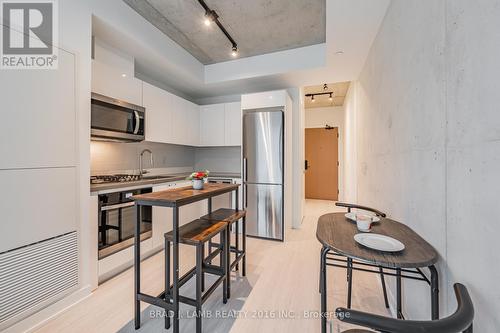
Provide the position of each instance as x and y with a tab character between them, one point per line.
40	318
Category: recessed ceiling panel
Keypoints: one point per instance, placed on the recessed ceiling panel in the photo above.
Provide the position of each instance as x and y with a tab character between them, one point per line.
258	26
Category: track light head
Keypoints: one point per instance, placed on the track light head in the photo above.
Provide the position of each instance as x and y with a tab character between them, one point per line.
331	97
312	99
210	17
234	51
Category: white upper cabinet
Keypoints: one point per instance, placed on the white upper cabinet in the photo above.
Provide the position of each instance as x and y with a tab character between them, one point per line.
180	121
169	118
212	119
220	125
38	116
116	83
159	114
193	117
232	113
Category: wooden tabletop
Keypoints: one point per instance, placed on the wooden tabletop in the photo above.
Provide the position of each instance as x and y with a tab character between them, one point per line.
337	232
183	195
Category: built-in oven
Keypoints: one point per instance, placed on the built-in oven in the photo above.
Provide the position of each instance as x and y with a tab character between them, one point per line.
115	120
117	216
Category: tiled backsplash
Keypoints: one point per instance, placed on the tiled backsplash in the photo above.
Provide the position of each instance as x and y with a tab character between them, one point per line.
218	159
112	157
116	157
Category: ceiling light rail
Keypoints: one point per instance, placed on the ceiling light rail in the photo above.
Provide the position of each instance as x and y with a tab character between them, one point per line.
319	94
211	16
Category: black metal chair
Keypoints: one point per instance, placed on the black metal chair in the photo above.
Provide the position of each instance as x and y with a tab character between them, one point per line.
460	321
349	260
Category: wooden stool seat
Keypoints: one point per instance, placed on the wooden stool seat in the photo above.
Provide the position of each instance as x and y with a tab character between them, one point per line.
198	231
226	215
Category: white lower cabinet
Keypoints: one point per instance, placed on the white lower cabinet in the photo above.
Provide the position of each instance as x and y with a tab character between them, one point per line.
162	219
37	204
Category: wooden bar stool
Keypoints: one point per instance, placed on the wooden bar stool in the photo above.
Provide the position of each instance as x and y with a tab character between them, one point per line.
197	233
231	218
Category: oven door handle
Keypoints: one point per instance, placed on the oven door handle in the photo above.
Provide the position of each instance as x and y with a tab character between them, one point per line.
122	205
137	122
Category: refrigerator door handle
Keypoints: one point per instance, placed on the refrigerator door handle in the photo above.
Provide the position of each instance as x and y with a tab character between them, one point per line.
281	151
245	196
245	165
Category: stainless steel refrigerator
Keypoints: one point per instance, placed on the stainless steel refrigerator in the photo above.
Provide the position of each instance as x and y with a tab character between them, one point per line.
263	171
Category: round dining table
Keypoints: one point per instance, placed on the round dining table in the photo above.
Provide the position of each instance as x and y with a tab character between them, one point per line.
339	249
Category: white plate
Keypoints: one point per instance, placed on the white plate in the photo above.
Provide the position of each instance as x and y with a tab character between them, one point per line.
379	242
352	216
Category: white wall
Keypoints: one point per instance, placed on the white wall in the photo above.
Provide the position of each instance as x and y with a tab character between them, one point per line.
298	177
428	142
332	116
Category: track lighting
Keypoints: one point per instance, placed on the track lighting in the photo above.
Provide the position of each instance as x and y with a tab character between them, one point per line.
234	51
211	16
330	93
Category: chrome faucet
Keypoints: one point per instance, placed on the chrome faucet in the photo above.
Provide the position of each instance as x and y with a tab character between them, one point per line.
141	170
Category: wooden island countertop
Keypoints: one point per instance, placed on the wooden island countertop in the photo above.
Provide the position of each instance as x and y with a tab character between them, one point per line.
183	195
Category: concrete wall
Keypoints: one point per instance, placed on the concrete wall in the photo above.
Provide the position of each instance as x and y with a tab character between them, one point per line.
332	116
428	141
473	153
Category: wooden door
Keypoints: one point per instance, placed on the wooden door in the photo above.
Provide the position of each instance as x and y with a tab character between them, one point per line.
322	163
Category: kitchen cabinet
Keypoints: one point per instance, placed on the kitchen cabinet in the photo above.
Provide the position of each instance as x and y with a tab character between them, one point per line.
159	114
39	116
193	117
232	124
169	118
37	204
212	119
180	121
220	125
115	83
162	219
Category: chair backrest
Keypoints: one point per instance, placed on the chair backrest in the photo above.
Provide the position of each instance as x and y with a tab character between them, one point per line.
351	206
460	321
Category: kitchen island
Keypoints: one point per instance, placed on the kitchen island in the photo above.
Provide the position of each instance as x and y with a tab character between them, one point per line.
174	198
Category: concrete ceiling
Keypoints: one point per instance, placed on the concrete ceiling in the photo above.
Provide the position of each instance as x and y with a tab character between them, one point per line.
258	26
320	101
351	26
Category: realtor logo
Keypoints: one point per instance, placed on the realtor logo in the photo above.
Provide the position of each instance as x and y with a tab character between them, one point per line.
29	31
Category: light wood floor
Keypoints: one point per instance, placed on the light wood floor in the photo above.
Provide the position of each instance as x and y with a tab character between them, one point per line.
284	277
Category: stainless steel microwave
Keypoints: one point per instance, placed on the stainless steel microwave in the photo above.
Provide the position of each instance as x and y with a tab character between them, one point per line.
115	120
